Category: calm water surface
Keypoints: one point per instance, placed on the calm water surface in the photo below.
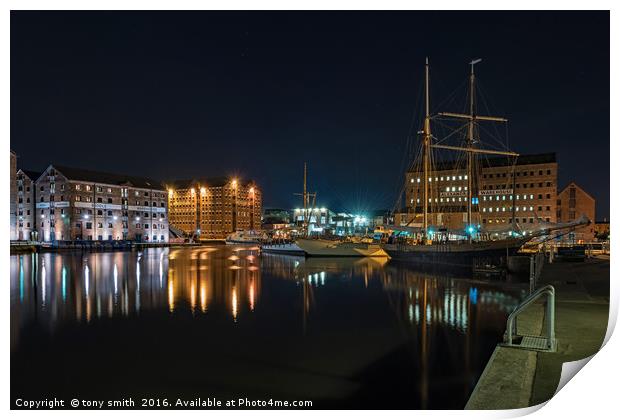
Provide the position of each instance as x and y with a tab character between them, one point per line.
224	322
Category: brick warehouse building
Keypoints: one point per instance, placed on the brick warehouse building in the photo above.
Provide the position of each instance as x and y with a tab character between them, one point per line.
214	207
572	202
26	215
74	204
13	196
533	189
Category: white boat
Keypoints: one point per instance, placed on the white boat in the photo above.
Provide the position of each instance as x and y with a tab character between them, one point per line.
245	237
290	248
334	248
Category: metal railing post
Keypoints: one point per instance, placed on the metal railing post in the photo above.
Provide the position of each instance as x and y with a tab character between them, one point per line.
532	273
549	316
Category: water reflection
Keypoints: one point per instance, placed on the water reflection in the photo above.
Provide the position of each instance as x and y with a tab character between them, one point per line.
352	319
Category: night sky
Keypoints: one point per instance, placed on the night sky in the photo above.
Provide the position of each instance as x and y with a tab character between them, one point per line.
173	95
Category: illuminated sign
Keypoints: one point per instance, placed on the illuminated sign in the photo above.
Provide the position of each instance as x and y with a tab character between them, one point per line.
453	194
146	208
495	192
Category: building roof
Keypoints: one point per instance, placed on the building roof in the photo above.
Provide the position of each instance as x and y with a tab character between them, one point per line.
219	181
535	159
76	174
576	186
33	175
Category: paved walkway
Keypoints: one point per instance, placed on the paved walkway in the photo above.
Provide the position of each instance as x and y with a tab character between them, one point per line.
516	378
582	312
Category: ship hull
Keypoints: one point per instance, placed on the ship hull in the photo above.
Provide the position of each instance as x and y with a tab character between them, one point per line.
326	248
458	255
286	249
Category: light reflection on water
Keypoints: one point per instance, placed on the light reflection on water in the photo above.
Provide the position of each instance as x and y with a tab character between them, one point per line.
339	317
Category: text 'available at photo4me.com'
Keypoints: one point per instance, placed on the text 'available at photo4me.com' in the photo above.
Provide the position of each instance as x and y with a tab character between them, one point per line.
159	403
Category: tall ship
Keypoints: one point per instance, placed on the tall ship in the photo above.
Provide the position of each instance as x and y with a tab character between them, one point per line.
424	239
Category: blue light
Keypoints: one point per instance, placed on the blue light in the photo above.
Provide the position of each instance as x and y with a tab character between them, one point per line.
471	230
473	295
431	232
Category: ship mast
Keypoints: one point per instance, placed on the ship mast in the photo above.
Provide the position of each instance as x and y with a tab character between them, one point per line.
470	148
427	142
470	143
306	197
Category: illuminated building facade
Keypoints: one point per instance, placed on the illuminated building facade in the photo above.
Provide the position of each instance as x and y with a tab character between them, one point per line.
78	204
26	215
215	207
573	202
532	192
13	196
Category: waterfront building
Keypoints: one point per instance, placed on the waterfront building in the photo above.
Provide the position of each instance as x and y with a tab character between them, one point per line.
213	208
276	221
531	191
13	196
276	216
345	224
601	229
572	202
318	219
79	204
380	218
26	214
324	220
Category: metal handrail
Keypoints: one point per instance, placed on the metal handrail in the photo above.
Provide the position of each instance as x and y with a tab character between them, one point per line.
549	318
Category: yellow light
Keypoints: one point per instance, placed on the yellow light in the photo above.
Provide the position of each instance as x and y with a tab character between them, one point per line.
170	192
193	191
203	191
234	183
251	190
234	303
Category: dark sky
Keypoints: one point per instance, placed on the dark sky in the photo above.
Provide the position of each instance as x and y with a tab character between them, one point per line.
254	94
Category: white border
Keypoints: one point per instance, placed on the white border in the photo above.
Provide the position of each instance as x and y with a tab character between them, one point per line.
592	394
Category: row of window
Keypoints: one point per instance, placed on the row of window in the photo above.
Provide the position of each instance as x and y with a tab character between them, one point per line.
517	208
441	178
485	198
110	190
524	186
524	173
523	220
89	225
485	176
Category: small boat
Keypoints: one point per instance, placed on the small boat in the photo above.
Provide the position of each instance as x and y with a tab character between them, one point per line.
288	248
335	248
244	237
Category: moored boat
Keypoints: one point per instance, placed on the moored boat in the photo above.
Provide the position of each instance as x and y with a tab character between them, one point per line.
242	237
456	254
287	248
335	248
